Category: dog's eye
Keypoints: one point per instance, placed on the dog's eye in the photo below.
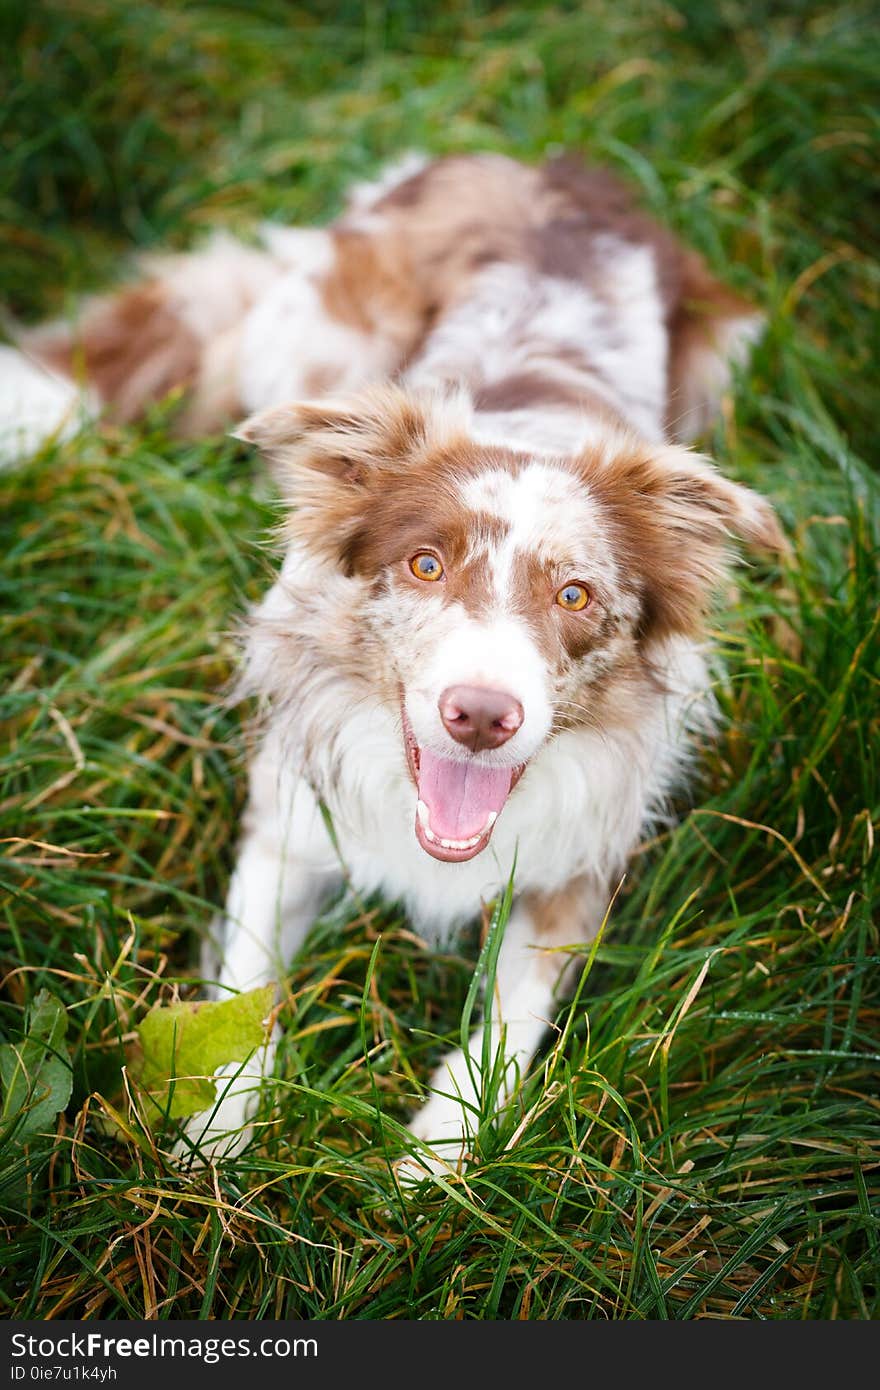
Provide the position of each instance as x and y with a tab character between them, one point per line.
574	597
426	566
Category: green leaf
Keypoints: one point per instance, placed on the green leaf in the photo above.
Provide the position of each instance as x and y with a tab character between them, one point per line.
182	1045
35	1073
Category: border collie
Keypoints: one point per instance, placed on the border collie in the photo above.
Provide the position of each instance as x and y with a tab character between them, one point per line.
486	644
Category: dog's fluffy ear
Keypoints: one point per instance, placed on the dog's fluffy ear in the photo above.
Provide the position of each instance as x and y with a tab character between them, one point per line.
676	515
696	499
333	459
348	441
330	437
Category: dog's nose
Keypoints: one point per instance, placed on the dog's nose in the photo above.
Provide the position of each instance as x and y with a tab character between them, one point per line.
479	718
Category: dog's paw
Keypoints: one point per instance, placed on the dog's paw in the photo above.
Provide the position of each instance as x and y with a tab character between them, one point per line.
413	1170
442	1123
225	1129
440	1161
443	1126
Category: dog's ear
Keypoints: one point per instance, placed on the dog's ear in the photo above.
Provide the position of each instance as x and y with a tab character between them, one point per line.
335	460
334	438
676	516
348	441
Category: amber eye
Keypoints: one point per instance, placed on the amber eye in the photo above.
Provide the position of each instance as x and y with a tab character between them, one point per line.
574	597
426	566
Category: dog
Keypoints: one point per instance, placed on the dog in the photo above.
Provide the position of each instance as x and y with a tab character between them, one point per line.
486	646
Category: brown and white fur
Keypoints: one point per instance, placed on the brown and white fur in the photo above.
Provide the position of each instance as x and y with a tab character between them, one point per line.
552	348
313	311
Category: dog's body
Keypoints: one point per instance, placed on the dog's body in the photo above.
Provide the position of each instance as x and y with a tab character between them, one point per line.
485	646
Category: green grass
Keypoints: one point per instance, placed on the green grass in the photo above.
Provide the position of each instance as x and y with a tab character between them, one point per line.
674	1153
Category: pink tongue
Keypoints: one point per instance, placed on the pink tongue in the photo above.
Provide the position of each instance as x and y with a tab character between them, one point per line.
459	796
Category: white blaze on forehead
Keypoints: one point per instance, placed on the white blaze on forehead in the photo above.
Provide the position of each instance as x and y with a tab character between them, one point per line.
548	512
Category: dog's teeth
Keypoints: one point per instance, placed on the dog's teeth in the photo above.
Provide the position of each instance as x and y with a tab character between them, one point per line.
424	821
461	844
424	817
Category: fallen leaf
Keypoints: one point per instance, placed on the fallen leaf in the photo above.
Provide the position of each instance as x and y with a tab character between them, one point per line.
182	1045
35	1073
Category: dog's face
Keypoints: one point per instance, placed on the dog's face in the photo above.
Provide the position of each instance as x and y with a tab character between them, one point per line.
505	596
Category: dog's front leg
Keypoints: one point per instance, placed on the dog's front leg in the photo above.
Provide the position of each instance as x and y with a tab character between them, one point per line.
284	872
533	970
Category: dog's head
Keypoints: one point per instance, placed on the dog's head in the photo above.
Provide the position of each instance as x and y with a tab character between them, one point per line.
510	596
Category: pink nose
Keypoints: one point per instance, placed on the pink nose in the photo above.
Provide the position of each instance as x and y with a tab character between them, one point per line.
479	718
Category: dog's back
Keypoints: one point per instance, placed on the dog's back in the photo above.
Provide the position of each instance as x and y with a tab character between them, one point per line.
310	312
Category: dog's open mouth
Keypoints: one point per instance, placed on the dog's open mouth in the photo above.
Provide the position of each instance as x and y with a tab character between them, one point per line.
458	802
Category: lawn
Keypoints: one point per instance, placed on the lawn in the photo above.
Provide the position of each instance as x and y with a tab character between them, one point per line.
699	1137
